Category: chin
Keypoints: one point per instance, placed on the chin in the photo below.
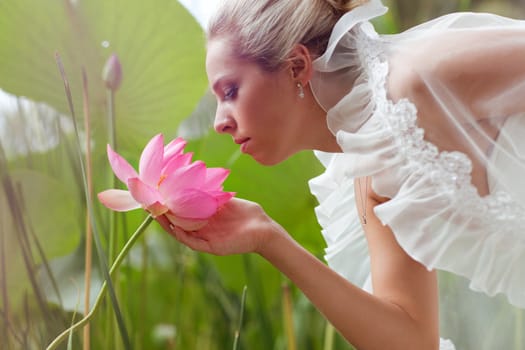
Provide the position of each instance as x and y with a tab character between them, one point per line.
270	161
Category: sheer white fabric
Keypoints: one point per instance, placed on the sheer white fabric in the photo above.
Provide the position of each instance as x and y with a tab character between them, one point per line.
452	168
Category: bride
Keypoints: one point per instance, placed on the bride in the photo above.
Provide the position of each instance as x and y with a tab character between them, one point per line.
422	133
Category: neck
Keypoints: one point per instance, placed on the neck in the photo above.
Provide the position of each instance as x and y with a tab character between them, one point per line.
318	136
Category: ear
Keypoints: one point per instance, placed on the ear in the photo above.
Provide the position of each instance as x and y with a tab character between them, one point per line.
301	69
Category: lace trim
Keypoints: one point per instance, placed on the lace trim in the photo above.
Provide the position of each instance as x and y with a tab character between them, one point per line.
450	172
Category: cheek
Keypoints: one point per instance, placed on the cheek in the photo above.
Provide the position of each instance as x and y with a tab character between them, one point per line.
278	105
261	114
269	117
266	107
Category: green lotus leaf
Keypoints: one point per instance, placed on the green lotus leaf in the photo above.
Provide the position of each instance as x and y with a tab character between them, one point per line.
159	44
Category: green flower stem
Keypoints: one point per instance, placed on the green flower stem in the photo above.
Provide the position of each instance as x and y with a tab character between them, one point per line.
89	232
112	135
123	253
111	324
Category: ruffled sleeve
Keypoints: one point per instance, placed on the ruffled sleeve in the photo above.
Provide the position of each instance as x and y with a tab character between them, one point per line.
347	250
434	211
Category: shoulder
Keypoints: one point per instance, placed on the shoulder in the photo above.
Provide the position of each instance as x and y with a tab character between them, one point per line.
406	78
423	68
468	63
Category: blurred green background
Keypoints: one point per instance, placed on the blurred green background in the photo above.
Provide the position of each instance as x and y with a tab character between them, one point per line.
168	297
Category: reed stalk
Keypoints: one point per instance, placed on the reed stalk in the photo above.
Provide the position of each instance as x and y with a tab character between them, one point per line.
237	336
89	233
288	318
329	337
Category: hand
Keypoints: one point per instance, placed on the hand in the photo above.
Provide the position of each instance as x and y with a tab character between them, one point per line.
240	226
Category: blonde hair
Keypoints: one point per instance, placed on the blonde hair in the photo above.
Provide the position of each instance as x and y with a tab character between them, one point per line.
265	31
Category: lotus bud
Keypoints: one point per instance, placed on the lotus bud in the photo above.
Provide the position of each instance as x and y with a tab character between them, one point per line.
112	73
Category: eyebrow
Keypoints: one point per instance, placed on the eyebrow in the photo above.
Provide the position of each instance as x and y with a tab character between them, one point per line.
221	81
215	86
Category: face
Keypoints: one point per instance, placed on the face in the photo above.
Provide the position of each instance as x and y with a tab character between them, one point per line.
257	108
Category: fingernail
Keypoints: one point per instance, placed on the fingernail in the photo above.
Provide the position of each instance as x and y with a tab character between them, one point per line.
172	227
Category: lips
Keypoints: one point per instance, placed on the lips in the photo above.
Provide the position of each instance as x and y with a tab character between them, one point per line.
243	142
240	141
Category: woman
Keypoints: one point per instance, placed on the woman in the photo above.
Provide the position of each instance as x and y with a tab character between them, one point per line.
422	137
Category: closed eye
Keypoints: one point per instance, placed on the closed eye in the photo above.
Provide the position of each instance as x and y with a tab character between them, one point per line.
230	93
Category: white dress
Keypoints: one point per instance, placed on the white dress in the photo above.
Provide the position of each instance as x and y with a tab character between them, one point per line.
434	210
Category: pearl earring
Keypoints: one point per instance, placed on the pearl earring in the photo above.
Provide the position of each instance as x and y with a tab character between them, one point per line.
301	90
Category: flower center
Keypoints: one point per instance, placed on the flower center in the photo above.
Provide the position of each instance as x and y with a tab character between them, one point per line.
162	178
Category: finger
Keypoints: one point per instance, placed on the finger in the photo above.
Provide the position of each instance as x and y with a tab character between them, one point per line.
164	223
190	240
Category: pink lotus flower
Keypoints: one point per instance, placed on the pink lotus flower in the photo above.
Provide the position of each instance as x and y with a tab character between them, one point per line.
168	183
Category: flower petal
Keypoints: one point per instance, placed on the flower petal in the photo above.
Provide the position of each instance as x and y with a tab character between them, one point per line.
193	204
176	162
142	193
222	197
122	169
190	176
174	148
151	161
118	200
214	178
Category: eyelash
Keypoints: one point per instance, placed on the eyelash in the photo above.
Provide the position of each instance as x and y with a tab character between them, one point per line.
230	93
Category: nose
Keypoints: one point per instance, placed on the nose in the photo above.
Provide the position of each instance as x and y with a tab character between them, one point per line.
224	122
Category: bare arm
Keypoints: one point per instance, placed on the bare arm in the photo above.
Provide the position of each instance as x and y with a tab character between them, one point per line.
402	313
